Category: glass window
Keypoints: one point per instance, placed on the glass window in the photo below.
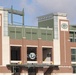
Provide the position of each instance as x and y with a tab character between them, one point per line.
73	51
71	34
71	40
73	58
47	54
15	53
74	68
73	55
75	40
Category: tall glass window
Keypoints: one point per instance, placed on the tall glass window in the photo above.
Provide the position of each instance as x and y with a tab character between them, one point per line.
73	55
72	36
74	68
73	59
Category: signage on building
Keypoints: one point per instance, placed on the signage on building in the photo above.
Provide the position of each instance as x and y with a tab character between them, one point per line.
64	26
32	55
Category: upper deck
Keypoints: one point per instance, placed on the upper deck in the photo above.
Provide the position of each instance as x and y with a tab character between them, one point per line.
31	33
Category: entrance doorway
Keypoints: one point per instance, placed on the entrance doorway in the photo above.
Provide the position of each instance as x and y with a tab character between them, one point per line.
32	71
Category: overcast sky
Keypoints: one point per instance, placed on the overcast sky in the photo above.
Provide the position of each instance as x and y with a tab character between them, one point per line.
35	8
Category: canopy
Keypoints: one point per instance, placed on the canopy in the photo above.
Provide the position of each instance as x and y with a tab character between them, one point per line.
31	65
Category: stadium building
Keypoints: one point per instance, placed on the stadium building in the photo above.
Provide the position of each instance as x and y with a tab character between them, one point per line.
48	49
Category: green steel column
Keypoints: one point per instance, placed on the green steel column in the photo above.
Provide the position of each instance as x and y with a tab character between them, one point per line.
12	15
23	18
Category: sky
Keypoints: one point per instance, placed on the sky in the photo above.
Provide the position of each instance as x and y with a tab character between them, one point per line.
35	8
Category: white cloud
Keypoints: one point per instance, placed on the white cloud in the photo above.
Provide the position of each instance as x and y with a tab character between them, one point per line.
39	7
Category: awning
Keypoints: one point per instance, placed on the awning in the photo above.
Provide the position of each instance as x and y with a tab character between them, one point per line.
31	65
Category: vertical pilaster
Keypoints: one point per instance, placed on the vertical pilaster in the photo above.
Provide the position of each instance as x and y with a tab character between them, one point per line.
57	37
64	43
24	51
39	51
56	41
5	38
